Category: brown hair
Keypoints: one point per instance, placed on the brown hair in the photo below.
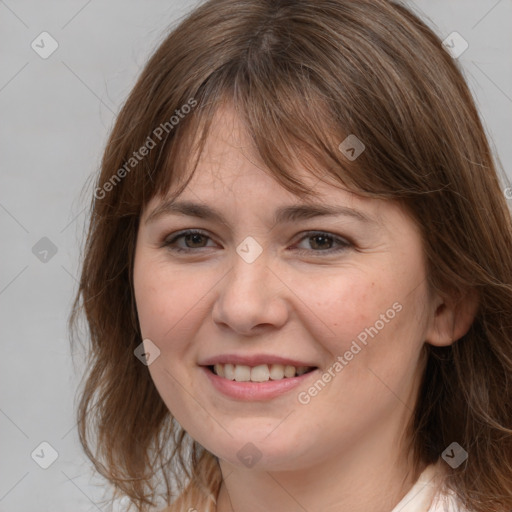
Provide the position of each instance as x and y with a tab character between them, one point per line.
304	75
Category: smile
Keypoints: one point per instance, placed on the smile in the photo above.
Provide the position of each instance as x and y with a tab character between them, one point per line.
259	373
240	382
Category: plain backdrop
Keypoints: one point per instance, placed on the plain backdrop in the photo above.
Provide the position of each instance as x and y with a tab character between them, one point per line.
56	113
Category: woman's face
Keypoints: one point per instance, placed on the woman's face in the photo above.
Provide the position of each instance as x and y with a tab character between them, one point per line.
343	293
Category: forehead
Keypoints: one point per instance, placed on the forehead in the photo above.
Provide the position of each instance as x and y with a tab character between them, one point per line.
229	159
230	172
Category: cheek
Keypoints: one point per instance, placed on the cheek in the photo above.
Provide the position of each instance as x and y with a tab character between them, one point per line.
167	300
168	308
372	319
342	306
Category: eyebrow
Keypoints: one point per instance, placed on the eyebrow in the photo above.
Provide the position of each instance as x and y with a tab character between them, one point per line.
282	215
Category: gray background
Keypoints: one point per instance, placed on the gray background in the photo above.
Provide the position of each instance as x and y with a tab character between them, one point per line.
55	117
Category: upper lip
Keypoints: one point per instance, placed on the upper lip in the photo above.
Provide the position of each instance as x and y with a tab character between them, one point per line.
253	360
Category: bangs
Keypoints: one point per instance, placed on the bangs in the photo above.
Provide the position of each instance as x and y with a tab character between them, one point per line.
289	125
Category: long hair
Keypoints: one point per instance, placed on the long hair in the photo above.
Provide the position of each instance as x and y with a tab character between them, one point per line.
303	76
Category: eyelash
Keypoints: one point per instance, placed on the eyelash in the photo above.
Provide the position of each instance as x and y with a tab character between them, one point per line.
344	244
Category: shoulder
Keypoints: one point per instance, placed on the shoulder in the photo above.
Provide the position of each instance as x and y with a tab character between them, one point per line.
429	494
446	501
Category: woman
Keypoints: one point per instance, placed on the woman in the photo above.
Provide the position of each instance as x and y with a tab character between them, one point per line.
298	271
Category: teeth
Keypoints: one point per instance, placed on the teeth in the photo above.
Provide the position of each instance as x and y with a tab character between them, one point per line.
289	371
219	370
276	371
242	373
301	370
229	371
260	373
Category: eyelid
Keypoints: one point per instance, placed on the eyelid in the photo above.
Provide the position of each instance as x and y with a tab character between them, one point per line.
173	237
344	243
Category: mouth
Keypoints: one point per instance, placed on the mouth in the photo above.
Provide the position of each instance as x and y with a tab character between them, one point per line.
259	373
256	377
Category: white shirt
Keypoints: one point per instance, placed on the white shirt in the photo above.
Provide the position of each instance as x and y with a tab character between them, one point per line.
427	494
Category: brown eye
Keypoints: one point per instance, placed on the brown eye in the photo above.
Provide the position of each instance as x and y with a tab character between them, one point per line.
193	240
324	243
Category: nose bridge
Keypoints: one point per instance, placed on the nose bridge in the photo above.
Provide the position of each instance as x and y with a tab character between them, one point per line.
248	281
247	296
249	271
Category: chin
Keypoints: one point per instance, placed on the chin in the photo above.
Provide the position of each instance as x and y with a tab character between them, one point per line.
278	454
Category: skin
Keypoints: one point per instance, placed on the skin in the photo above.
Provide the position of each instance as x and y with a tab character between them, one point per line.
344	450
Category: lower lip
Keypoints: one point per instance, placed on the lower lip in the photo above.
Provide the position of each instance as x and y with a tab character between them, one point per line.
255	390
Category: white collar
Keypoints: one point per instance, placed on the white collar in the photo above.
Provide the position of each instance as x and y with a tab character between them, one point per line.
425	494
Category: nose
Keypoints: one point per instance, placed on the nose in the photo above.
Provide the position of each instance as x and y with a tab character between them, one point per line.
251	298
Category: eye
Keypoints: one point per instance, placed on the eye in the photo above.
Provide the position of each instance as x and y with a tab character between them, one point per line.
193	239
322	242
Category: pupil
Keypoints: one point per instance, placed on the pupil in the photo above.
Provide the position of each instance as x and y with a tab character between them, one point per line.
194	238
321	237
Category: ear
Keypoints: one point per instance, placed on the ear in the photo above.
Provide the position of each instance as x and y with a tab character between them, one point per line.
452	319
